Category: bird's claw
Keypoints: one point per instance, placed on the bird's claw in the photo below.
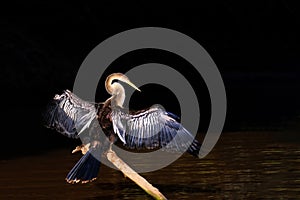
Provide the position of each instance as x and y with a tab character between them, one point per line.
110	147
83	148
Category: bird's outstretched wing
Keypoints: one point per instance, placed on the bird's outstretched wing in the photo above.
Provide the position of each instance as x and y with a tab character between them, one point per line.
153	128
69	115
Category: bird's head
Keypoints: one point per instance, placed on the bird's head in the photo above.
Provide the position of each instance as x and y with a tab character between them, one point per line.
117	76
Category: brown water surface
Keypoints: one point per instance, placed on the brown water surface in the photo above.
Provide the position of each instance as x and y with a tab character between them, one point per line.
244	165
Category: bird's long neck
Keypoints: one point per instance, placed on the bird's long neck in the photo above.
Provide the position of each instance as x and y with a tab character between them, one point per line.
108	84
118	96
116	90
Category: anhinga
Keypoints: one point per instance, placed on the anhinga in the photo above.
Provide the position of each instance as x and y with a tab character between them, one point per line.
150	128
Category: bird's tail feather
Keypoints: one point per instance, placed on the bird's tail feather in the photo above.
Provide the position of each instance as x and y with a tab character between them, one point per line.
194	148
85	170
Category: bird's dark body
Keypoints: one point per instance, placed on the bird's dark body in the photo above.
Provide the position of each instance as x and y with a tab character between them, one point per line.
104	119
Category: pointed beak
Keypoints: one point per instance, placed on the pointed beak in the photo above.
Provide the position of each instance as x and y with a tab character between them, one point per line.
125	79
132	85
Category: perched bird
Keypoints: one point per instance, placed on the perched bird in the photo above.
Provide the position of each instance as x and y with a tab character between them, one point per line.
150	128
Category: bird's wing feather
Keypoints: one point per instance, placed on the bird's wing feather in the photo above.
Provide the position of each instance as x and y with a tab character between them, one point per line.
69	115
153	128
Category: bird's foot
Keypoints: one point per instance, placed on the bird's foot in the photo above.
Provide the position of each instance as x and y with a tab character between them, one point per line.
83	148
110	147
109	150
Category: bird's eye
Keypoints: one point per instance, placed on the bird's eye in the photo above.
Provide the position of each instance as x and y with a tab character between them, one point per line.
115	80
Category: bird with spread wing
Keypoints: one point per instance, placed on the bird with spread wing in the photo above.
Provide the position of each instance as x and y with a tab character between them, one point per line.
151	128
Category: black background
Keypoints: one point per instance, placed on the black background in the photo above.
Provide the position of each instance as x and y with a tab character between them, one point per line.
42	45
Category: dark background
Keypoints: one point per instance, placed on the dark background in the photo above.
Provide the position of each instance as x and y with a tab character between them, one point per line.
42	45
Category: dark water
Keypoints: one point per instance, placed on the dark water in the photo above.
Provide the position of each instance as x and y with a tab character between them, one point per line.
257	165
